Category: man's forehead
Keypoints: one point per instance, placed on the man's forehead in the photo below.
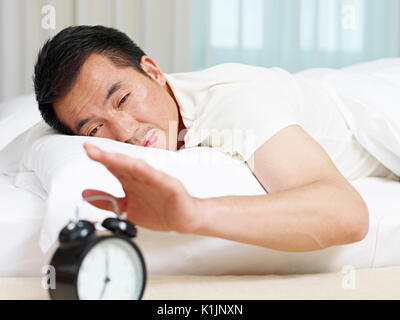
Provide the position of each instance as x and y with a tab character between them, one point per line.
96	67
89	88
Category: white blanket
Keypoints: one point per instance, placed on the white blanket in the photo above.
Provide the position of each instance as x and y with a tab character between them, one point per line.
371	95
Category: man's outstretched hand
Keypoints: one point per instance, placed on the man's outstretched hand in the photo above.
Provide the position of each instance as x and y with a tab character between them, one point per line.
152	199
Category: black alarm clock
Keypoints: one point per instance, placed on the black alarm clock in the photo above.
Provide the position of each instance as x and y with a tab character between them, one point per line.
94	265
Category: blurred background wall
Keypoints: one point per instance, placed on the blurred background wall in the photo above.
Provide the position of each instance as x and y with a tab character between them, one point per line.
186	35
160	27
294	34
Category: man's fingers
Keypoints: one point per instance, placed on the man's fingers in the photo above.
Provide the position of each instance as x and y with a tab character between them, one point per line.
103	204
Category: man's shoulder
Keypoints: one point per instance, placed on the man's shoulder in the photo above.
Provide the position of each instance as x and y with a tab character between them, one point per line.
224	70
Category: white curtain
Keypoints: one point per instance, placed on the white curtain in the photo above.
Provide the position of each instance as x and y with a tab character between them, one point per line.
294	34
160	27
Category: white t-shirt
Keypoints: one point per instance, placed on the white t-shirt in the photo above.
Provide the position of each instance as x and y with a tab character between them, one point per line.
236	108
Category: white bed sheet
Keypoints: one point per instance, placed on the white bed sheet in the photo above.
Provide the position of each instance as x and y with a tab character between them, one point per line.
21	215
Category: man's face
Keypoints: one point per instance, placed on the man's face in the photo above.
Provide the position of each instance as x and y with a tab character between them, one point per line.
120	103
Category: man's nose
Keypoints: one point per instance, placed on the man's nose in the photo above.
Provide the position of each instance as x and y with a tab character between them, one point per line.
124	128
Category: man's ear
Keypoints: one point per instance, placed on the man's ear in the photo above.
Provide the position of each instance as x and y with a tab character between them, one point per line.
150	67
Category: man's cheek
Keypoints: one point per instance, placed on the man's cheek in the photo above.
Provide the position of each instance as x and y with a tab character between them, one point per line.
161	140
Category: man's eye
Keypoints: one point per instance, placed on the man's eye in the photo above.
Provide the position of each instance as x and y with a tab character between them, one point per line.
123	99
93	131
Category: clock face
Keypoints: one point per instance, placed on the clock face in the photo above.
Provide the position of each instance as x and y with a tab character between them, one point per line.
112	269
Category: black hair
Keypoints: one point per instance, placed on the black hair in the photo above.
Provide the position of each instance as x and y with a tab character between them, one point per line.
61	57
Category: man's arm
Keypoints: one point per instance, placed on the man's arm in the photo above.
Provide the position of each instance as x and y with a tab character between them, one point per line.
309	205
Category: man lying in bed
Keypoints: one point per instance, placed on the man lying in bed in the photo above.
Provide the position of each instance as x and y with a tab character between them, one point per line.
94	81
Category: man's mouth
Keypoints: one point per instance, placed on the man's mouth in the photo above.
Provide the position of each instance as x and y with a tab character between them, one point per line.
149	141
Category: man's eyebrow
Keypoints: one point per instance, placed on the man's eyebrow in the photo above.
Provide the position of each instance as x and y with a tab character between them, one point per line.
81	124
114	87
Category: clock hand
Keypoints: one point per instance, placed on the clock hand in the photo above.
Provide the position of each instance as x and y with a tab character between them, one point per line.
107	279
107	264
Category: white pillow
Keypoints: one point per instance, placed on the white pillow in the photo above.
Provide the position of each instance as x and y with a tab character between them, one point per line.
16	116
64	170
11	155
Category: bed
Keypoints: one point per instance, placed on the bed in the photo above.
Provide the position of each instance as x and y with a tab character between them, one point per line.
176	254
41	185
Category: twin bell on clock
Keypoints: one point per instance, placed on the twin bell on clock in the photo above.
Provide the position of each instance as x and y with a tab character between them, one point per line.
94	265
